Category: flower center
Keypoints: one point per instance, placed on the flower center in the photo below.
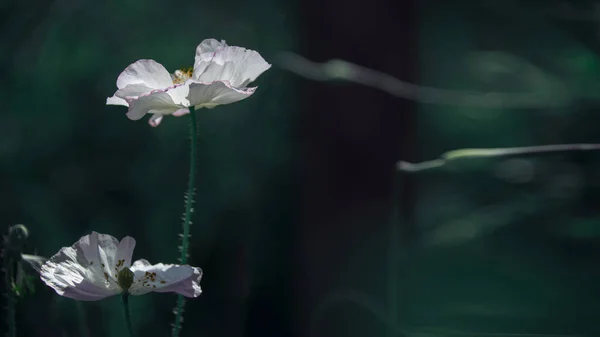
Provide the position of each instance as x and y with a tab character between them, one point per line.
182	75
125	278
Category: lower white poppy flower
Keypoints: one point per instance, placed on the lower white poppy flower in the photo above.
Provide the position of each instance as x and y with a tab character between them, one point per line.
98	266
220	75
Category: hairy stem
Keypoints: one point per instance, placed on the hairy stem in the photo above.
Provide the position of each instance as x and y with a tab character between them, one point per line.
83	326
187	218
125	299
10	295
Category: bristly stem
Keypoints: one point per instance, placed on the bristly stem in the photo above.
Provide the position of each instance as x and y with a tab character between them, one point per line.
125	298
10	295
187	218
83	327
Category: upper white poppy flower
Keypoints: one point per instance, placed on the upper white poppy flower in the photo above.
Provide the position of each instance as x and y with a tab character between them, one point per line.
220	76
98	266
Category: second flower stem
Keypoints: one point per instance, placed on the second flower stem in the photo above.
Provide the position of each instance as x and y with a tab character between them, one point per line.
187	217
125	299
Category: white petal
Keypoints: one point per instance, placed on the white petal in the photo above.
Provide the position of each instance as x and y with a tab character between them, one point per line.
107	250
248	65
159	102
179	93
181	112
205	53
155	120
184	280
34	261
114	100
133	90
148	72
103	253
209	46
237	65
124	253
216	93
68	273
88	249
216	70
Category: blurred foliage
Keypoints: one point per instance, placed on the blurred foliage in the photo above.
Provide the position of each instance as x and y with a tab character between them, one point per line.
508	245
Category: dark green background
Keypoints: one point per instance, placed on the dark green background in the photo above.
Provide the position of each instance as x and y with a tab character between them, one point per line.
296	185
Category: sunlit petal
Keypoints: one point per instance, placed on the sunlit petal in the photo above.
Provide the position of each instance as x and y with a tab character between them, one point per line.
181	279
239	66
66	274
147	72
216	93
157	103
34	261
114	100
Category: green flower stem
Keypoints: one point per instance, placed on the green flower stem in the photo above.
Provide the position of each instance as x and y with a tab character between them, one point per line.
187	218
125	298
83	326
10	295
189	198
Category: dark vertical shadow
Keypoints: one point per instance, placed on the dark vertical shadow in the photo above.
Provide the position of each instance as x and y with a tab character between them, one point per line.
265	270
351	136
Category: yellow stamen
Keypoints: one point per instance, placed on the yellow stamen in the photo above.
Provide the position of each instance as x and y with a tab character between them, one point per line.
182	75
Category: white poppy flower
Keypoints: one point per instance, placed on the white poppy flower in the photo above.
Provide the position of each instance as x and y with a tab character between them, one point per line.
220	76
98	266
